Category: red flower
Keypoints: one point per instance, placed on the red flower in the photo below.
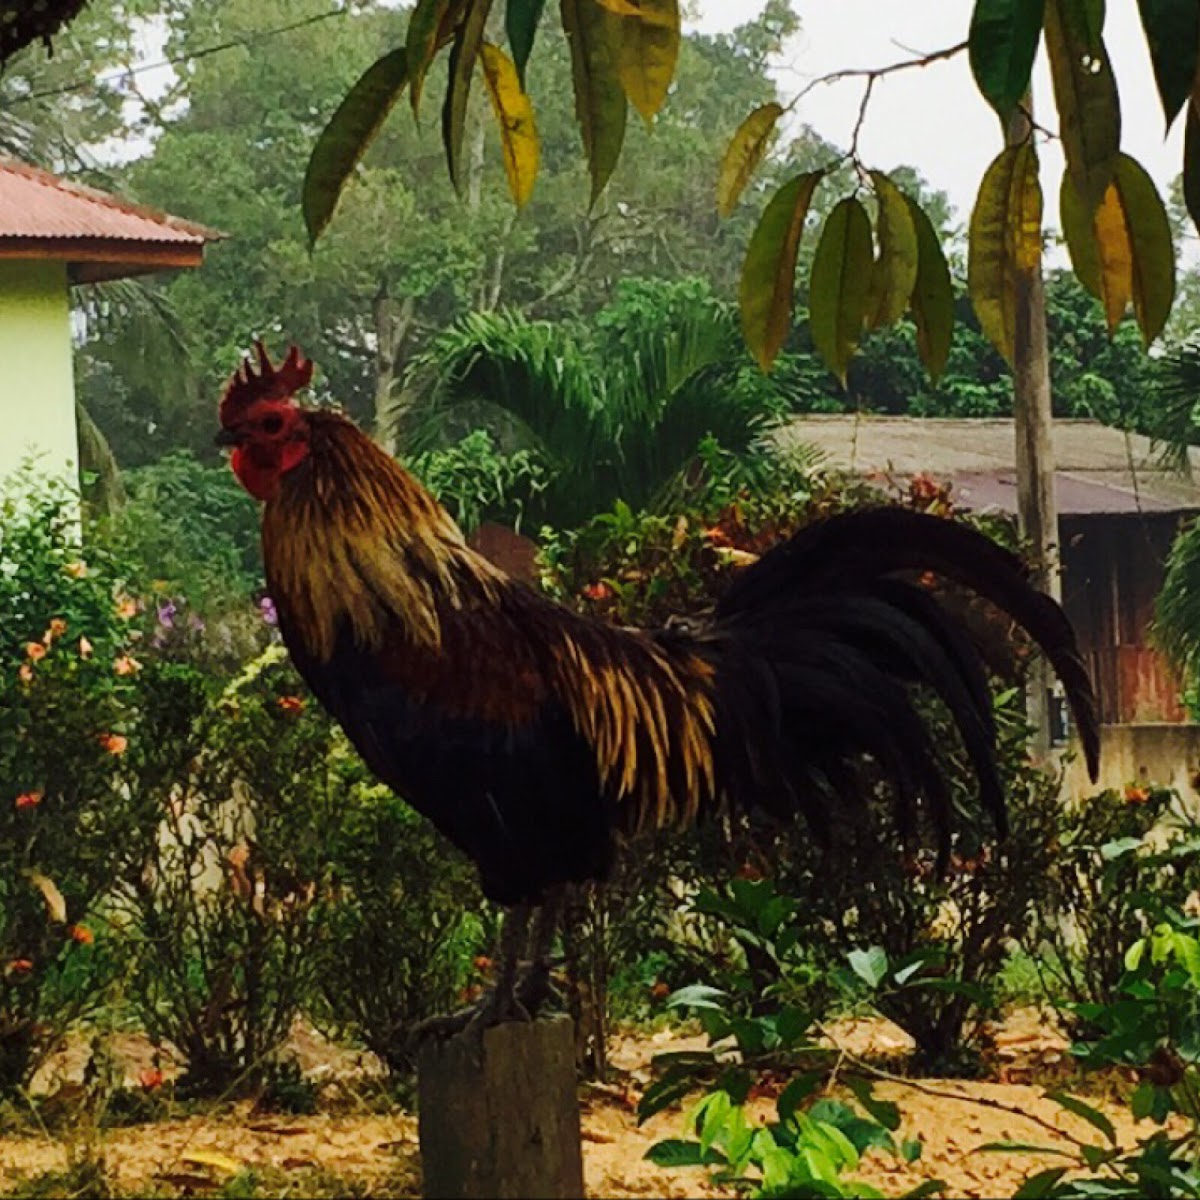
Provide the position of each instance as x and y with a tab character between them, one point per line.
598	591
114	743
19	966
82	935
29	799
482	963
291	704
151	1078
1136	795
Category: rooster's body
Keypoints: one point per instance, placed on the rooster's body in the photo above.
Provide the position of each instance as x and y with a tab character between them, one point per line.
536	739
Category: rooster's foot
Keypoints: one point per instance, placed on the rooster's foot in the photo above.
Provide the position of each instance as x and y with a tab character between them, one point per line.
493	1009
535	989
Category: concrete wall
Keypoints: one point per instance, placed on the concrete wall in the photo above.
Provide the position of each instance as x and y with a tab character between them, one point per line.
37	383
1164	754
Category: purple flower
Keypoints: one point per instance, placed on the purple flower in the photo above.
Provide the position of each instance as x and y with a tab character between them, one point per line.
267	607
166	614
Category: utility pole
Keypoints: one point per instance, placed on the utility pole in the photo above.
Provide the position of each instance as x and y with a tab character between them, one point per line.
1037	508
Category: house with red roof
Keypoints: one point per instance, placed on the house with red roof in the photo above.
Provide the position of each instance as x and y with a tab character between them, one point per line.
56	235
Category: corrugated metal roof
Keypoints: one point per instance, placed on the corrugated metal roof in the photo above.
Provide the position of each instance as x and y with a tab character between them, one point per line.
37	205
1098	469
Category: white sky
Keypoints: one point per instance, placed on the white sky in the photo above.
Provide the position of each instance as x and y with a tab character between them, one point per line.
935	119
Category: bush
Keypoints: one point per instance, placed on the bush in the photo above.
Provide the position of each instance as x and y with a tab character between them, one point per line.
66	677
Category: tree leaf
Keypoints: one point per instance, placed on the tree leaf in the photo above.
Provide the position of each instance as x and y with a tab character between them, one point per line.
894	274
1092	1116
1173	34
769	273
869	965
345	139
468	39
521	20
1085	92
674	1152
647	52
1002	45
1040	1184
1153	247
600	105
1191	164
1004	241
1098	244
746	150
422	41
56	906
933	295
514	115
841	276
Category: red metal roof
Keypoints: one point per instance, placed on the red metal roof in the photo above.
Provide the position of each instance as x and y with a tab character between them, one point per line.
101	236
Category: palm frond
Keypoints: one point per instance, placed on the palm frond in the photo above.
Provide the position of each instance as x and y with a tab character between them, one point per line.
1176	628
1177	406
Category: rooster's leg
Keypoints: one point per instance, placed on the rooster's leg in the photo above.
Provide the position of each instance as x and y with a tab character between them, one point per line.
500	1003
534	987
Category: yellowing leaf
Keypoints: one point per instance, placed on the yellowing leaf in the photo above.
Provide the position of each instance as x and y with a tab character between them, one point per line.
894	274
647	42
467	41
841	276
1085	91
768	281
212	1158
1124	251
933	295
644	10
1004	242
600	105
746	150
56	906
514	115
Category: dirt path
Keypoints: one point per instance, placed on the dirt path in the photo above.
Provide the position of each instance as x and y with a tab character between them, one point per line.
376	1154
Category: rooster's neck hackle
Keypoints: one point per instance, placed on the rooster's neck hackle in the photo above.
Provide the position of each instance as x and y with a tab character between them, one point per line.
351	539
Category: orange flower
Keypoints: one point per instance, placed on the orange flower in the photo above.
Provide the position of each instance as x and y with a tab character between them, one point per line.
126	608
76	570
35	651
82	934
29	799
597	591
482	963
19	966
126	665
1136	795
85	648
114	743
660	991
291	704
56	629
150	1078
25	673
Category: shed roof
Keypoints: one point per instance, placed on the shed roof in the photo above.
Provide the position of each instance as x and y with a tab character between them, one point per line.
1099	469
98	235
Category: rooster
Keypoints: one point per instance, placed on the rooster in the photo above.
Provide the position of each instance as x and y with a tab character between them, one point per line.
539	740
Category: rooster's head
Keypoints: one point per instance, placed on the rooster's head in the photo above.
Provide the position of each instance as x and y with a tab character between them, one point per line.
268	431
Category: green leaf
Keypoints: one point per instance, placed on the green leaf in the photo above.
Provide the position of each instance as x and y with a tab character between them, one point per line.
673	1152
345	139
697	995
797	1091
1135	954
884	1111
933	295
674	1085
1040	1184
1002	46
841	276
928	1187
1153	247
647	51
521	20
895	272
869	965
468	39
514	116
1173	35
1085	92
1004	242
768	281
600	104
746	150
426	26
1091	1115
1191	164
911	1149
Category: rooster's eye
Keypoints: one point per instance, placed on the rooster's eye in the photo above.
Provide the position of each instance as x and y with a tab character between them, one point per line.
272	424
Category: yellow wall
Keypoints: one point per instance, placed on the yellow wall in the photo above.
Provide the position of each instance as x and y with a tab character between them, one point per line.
37	384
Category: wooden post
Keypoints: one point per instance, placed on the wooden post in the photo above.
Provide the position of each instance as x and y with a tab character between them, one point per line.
499	1116
1034	425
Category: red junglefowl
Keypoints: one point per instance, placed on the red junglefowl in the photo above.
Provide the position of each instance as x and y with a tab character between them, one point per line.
538	740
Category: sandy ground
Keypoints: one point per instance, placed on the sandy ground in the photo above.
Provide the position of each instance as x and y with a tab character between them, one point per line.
377	1154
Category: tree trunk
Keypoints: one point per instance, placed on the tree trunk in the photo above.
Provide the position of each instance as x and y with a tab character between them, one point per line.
1033	422
393	323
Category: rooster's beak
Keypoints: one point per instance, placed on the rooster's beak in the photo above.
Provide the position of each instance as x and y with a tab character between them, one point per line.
226	437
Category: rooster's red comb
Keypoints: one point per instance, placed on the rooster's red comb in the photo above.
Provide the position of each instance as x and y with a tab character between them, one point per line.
267	383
